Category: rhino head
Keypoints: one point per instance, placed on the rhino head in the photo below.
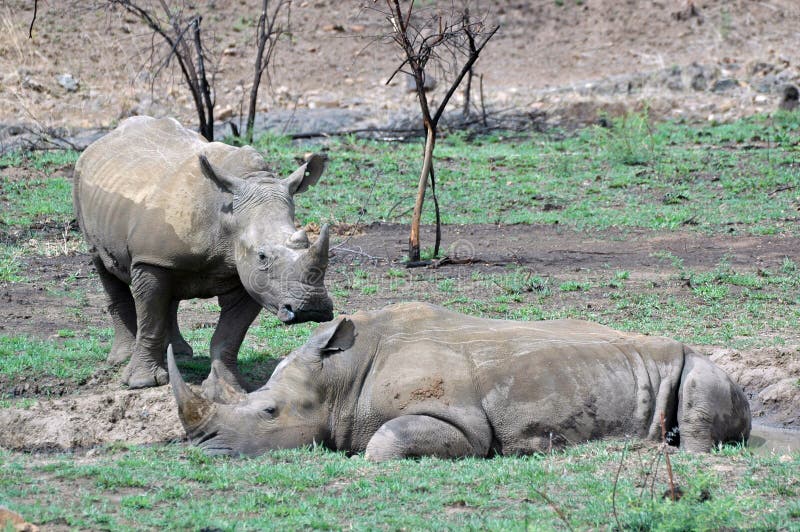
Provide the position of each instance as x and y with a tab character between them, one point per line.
276	264
292	410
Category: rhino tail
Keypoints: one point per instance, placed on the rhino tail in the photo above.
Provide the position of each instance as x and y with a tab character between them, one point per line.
712	408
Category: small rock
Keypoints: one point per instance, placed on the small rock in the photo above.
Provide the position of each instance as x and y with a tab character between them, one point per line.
428	83
69	83
761	68
229	51
33	84
790	98
698	77
785	75
333	27
224	113
724	85
357	28
766	84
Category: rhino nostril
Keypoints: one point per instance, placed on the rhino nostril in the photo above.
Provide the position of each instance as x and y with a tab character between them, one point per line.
285	314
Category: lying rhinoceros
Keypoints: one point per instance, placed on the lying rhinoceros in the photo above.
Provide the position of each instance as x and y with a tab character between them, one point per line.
417	380
169	216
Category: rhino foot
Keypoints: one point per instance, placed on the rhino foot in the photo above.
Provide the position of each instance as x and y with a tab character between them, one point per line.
119	353
141	376
223	385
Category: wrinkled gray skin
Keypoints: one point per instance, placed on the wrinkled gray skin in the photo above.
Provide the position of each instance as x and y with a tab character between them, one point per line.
418	380
169	216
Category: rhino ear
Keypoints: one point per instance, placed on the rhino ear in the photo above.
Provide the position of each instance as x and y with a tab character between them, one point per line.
307	175
339	338
225	181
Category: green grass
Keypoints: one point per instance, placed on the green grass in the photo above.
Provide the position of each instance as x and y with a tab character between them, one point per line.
712	178
177	487
73	359
39	199
721	306
10	264
741	176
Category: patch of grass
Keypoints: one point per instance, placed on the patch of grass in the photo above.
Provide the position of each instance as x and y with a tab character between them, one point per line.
73	359
572	286
10	264
708	178
41	199
618	281
448	286
175	487
23	403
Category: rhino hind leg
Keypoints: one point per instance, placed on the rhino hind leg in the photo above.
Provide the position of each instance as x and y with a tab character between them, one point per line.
180	347
123	313
712	409
415	436
238	312
150	286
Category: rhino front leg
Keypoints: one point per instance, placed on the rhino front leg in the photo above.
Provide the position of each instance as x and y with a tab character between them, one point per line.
180	347
238	312
150	286
123	313
417	435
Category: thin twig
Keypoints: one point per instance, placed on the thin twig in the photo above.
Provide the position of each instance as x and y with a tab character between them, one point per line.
438	240
655	475
361	213
362	253
555	508
614	491
33	19
467	66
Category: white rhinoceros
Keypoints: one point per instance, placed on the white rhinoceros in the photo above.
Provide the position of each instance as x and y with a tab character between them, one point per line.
169	216
415	380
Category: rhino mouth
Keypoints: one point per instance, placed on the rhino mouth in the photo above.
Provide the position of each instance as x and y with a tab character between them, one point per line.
290	316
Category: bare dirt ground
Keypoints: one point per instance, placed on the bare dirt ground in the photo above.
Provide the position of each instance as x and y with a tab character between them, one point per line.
568	60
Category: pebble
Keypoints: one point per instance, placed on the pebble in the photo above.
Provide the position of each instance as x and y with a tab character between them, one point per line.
69	83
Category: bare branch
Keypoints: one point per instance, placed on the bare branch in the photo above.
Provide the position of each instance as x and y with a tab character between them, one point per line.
467	66
267	35
191	59
33	19
419	45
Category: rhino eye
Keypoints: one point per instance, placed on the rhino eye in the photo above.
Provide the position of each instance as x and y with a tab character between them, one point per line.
262	255
270	410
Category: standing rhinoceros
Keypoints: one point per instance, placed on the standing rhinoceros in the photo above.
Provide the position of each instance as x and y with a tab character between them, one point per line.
169	216
415	380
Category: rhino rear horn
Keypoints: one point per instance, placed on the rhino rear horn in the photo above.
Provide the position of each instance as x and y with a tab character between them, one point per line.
195	411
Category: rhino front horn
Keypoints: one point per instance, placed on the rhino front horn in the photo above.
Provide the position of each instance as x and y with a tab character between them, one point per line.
195	411
317	257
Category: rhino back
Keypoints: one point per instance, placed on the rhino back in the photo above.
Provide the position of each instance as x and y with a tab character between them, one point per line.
141	196
517	381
